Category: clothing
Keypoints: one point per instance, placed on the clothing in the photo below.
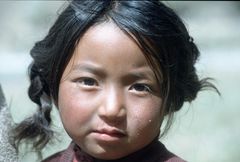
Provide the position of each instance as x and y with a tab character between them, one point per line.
154	152
7	150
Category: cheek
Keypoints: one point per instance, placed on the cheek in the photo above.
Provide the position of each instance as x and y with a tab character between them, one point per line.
74	108
146	115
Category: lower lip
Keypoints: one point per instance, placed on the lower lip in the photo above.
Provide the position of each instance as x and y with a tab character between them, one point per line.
108	137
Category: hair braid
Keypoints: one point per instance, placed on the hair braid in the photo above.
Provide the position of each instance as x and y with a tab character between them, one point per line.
37	127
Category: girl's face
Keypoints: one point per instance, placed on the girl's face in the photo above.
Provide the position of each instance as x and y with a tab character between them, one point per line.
109	98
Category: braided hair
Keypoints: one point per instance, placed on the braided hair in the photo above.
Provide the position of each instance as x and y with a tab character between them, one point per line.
39	124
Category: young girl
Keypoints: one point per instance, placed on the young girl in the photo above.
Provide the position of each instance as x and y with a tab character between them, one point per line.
114	70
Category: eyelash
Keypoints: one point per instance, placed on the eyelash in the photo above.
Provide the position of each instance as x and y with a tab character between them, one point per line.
137	87
143	88
86	81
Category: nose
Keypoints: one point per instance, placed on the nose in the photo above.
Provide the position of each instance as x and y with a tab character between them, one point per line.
113	106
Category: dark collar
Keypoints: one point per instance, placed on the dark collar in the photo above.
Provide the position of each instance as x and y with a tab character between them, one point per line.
154	152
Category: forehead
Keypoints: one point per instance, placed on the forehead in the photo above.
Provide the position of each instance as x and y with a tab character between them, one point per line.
108	32
105	46
107	41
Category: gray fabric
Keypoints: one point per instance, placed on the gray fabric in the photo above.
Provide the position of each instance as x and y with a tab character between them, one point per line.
7	151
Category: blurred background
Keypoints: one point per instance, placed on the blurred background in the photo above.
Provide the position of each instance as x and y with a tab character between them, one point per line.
206	130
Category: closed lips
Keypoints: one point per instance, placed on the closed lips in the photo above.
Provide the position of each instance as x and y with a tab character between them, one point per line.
111	132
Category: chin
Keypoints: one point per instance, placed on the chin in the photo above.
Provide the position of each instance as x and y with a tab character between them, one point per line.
104	154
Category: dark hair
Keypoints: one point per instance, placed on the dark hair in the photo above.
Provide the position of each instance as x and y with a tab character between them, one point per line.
157	30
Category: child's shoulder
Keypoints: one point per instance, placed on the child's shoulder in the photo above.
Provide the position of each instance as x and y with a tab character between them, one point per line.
54	158
159	153
154	152
62	156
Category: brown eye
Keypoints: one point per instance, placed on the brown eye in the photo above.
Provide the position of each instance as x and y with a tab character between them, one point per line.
87	81
140	87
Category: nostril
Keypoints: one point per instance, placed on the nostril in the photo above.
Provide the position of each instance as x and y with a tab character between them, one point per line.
112	113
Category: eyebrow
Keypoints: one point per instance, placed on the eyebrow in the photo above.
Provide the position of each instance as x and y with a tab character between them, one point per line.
139	73
142	74
89	68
